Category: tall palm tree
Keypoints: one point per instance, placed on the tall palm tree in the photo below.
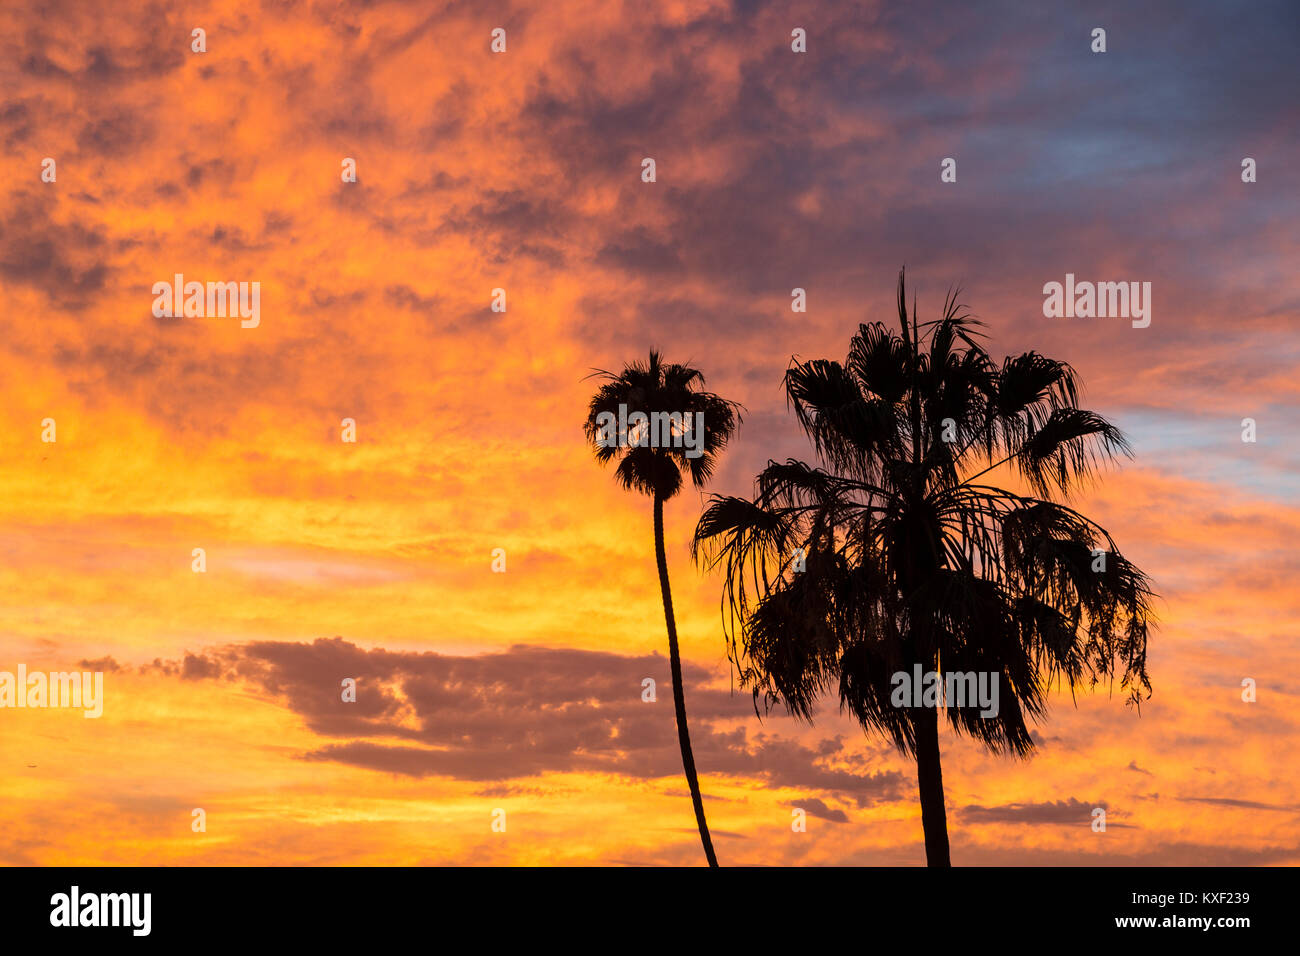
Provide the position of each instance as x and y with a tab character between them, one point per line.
912	556
655	461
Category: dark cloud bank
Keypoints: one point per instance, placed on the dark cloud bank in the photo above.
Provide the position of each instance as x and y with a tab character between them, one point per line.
523	712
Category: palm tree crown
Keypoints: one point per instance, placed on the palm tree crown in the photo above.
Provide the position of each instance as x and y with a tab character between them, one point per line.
666	389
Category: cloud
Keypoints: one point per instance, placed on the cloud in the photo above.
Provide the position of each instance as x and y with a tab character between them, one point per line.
1243	804
65	261
816	808
523	712
1069	811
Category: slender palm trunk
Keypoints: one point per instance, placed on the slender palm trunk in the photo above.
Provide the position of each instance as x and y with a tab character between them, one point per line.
679	694
929	773
929	777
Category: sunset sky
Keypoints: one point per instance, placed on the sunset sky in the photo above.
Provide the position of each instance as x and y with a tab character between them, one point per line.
522	170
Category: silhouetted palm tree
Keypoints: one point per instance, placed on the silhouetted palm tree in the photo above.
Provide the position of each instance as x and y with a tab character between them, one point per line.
913	559
657	391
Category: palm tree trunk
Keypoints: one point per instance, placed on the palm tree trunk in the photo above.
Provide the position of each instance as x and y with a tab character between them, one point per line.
929	777
679	694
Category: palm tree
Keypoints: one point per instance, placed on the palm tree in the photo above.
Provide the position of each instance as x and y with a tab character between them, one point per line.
680	430
911	556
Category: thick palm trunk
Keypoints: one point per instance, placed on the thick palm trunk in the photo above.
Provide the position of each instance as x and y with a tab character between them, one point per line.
679	694
929	777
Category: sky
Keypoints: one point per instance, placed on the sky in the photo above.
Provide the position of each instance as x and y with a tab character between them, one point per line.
521	690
